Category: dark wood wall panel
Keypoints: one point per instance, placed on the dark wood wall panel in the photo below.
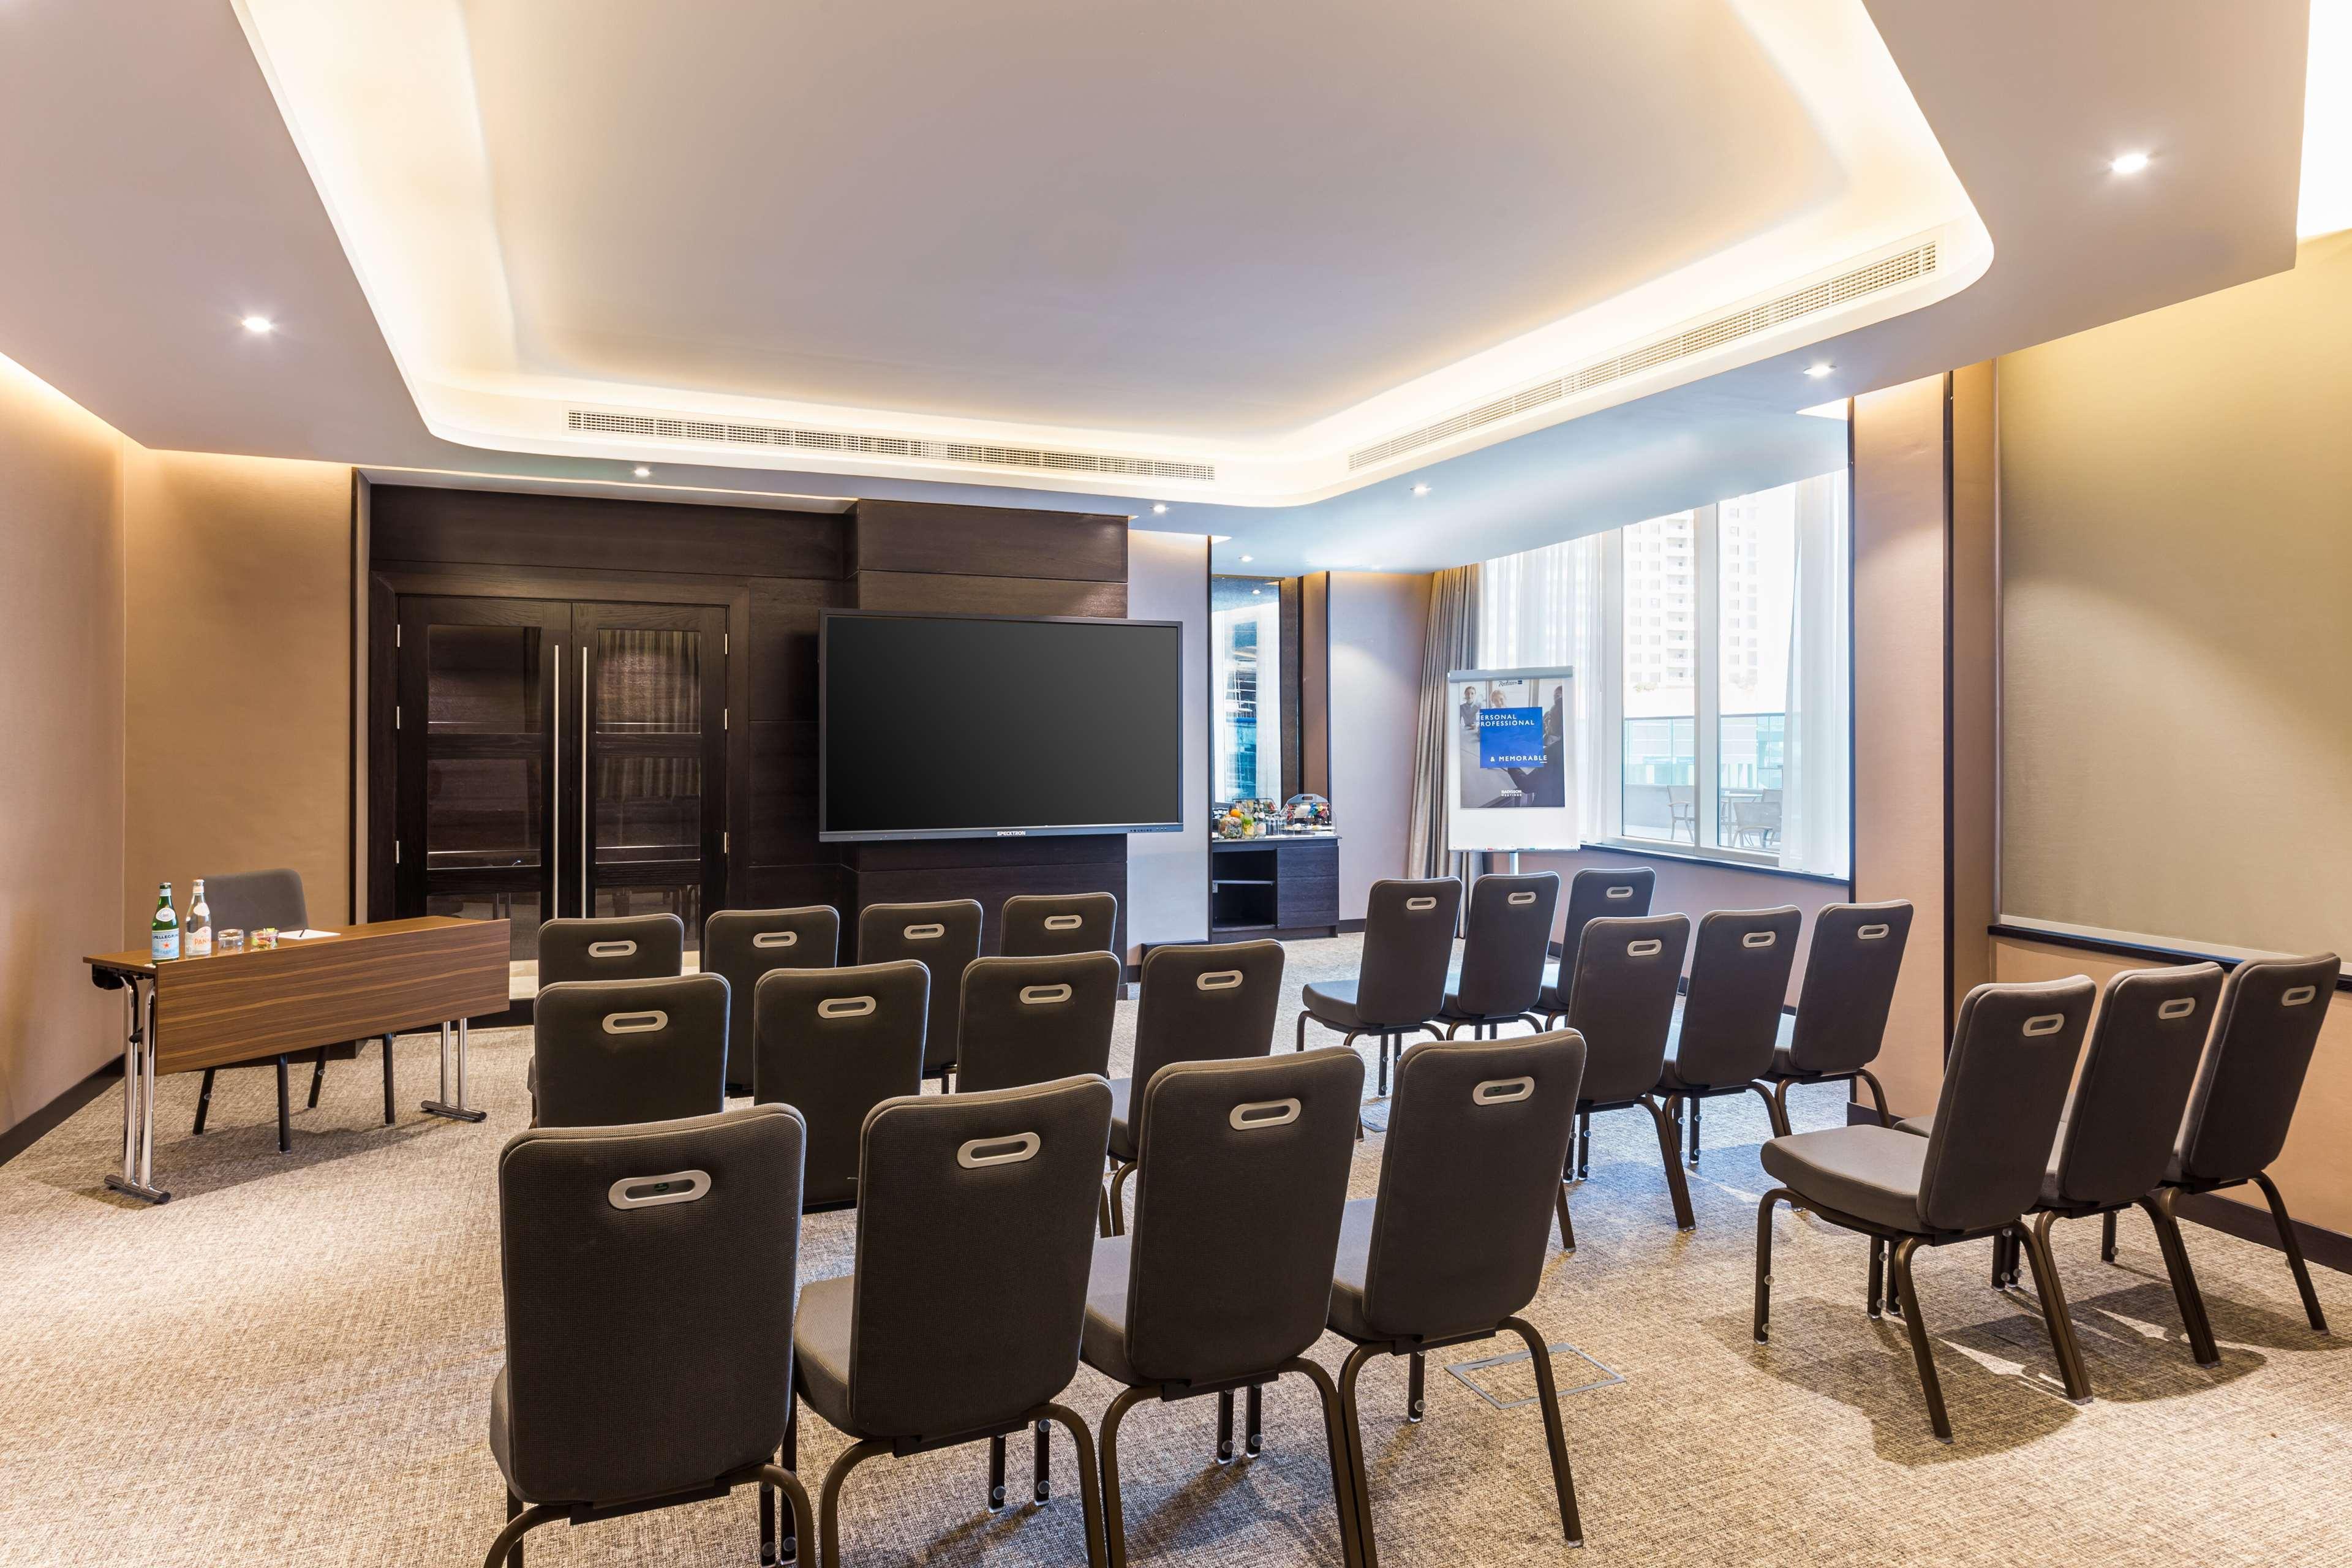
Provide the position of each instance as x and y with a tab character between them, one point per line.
955	594
989	541
570	532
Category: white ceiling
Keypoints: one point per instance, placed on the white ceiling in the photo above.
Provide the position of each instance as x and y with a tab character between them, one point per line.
1191	224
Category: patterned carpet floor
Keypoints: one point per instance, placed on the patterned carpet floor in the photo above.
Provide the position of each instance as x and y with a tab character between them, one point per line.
290	1365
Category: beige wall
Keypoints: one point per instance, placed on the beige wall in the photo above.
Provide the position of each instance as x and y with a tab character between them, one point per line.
61	712
2312	1173
1376	622
1899	545
238	674
2177	513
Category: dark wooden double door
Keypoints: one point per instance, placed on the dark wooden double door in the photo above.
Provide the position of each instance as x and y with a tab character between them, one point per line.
559	757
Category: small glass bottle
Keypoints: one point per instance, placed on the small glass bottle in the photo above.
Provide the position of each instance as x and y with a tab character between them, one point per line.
196	940
163	935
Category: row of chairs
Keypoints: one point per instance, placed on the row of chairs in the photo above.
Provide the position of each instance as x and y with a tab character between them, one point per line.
655	1356
2187	1086
1618	984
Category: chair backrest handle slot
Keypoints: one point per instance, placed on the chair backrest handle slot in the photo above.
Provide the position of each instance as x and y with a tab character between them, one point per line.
1218	980
2298	996
1648	947
1618	892
653	1192
845	1006
2179	1007
611	949
1502	1090
776	938
924	932
644	1022
1041	995
1521	899
2045	1024
1422	905
1064	922
1760	938
1870	933
1257	1113
1009	1150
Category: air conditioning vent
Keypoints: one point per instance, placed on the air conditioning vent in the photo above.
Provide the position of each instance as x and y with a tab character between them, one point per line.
1903	267
707	432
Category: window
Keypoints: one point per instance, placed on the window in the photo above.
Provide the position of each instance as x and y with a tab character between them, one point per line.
1246	633
1710	649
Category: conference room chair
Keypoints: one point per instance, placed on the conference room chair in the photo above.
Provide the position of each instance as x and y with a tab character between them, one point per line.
1973	1177
961	1317
1841	1003
1400	984
835	1044
1042	925
608	1053
1224	1279
1195	1002
944	938
1622	1003
1592	895
2268	1022
1504	946
1033	1020
1451	1250
1729	1023
649	1275
744	944
2116	1134
610	947
250	901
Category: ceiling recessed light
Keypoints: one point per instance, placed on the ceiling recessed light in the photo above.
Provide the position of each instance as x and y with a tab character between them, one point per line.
1255	592
1420	489
257	323
1249	558
1160	509
2130	163
641	471
1819	371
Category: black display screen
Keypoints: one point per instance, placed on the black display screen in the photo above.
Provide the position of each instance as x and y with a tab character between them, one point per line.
946	726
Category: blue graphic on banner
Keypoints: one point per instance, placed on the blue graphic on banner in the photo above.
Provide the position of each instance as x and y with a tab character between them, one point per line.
1510	738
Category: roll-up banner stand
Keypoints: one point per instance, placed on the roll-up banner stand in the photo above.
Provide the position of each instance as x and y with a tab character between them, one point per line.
1510	762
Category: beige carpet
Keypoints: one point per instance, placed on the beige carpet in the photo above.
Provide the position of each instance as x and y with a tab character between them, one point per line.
291	1362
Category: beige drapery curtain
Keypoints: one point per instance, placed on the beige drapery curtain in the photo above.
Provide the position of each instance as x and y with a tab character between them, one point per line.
1450	643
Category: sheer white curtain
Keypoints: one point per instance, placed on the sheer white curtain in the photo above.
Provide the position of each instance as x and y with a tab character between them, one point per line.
1548	607
1815	834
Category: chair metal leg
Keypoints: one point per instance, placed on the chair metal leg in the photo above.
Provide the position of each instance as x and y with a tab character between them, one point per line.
768	1555
1114	1515
1921	1351
2108	1237
796	1504
1416	1401
1779	1109
1090	1496
2294	1250
318	1080
284	1112
1762	1326
1302	1031
1567	1225
828	1504
1226	1427
1583	1146
1351	1430
1675	1187
995	1474
1877	1095
1254	1422
791	1461
1102	1210
1694	1102
1877	1274
1563	1479
1118	1180
506	1551
204	1101
2185	1294
387	1080
514	1552
1041	1459
2046	1285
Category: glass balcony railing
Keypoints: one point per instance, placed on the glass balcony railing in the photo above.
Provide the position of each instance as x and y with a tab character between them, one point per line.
1660	785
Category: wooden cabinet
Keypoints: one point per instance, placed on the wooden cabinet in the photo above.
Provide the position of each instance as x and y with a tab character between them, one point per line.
1279	884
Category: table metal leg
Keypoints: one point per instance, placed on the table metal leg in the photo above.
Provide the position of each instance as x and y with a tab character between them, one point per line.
138	1177
454	1109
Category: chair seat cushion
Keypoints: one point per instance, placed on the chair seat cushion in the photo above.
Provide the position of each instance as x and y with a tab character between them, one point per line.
1553	997
1918	1126
502	1436
1102	1344
1454	1011
820	1347
1870	1173
2052	1192
1352	1270
1332	1002
1122	1137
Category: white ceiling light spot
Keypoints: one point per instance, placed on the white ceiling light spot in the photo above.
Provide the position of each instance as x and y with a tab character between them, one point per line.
1160	509
1819	371
2130	163
1247	559
257	325
1420	489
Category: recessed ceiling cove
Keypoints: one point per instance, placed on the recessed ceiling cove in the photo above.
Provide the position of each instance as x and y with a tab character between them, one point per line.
1247	254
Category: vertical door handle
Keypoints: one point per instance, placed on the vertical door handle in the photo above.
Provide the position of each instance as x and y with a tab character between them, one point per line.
555	801
583	713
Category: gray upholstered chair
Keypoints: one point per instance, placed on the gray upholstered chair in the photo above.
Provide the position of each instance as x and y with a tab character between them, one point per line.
1592	895
1504	944
1041	925
2271	1011
609	1053
943	937
248	901
1196	1002
1225	1280
1621	1002
1452	1249
1400	984
1033	1020
744	944
1729	1021
1973	1176
649	1275
836	1043
1842	1005
960	1319
610	947
2116	1135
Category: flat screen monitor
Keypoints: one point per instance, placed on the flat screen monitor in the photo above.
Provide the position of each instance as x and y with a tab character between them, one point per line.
991	726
